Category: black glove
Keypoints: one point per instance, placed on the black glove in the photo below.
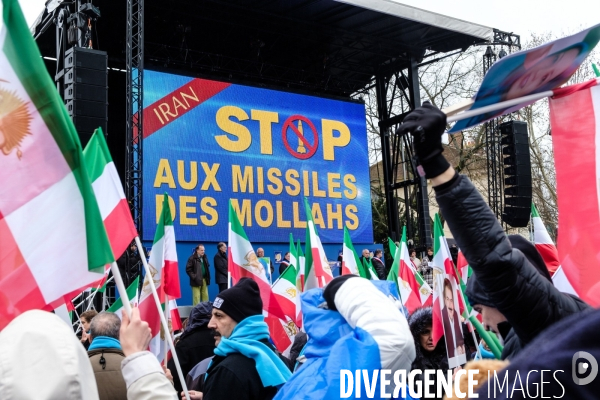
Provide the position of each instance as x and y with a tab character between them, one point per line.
427	124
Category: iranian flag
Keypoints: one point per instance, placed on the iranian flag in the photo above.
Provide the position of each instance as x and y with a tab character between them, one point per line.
52	239
575	122
287	294
413	293
242	262
443	268
165	275
350	261
318	272
109	193
132	295
543	242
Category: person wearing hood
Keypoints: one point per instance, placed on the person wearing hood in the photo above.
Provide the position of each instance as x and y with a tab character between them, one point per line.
507	286
353	323
245	365
428	355
106	355
195	343
43	364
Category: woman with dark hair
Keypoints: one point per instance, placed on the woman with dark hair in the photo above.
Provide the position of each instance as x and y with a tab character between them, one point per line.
428	355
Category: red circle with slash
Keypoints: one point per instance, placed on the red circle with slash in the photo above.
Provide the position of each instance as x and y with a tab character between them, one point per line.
311	149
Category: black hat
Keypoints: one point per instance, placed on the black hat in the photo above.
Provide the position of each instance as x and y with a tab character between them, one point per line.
240	301
475	291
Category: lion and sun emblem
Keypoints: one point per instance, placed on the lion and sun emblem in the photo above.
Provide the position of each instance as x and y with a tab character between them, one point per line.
14	121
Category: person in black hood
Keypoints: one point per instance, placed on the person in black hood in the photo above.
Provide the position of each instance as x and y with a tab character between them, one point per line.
428	356
562	304
195	343
507	284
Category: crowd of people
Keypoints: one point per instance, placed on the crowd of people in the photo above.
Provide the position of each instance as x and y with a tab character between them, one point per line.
225	350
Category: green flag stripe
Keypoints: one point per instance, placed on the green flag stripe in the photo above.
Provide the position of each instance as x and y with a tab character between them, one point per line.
131	293
236	226
96	155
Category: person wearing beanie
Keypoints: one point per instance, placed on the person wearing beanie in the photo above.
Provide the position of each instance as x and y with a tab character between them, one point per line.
245	365
510	286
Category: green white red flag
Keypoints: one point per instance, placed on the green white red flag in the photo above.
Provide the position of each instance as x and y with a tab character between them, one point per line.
414	291
318	272
575	122
443	268
543	242
132	295
165	275
243	263
108	189
288	295
53	241
350	261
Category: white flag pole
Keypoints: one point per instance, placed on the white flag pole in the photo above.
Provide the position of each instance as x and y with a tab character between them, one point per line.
167	332
121	288
163	321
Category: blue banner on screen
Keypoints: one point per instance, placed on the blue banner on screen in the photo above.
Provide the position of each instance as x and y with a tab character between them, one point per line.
206	142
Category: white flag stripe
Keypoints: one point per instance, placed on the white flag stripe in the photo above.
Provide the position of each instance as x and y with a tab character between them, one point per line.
104	189
40	234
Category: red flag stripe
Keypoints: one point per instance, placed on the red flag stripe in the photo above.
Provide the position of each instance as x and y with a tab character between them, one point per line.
269	299
120	228
574	131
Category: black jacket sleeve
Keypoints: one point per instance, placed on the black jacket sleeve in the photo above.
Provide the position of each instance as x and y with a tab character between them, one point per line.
207	265
189	268
529	302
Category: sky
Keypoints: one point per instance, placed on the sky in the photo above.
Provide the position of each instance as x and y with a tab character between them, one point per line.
518	16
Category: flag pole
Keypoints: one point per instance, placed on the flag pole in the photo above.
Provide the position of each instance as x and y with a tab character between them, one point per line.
167	332
163	321
121	288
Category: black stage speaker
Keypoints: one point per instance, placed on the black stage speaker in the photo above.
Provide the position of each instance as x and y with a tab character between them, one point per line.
86	90
517	173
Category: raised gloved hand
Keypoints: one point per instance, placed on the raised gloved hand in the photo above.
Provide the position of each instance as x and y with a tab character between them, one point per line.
427	124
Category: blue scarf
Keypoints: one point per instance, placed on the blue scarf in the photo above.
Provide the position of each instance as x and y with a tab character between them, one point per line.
104	342
245	340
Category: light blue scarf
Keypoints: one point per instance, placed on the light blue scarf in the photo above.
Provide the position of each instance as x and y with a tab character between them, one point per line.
245	340
104	342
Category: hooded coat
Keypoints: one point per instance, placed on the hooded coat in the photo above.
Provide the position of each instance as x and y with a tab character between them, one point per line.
195	344
507	278
44	364
419	321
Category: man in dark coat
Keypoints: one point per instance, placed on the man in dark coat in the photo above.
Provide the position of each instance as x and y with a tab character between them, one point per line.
428	356
199	273
129	264
516	293
378	264
106	355
221	269
195	343
246	365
